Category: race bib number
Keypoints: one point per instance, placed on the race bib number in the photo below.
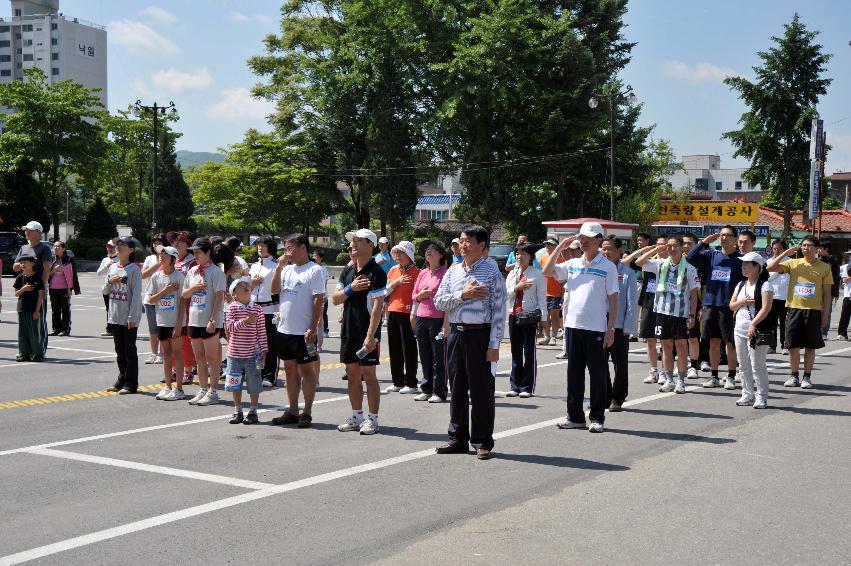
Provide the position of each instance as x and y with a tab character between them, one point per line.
199	300
651	286
166	302
233	381
721	274
671	287
805	290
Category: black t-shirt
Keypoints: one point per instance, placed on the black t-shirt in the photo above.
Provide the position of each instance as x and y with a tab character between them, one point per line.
41	252
29	299
646	298
834	270
358	307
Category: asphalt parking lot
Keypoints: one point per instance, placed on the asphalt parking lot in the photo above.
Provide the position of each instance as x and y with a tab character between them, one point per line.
90	477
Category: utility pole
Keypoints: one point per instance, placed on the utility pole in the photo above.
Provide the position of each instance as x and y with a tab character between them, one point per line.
156	110
613	96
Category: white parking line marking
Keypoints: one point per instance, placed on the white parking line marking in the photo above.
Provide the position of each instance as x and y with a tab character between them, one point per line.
235	482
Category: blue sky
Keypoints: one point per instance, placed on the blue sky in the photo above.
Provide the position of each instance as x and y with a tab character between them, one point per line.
194	52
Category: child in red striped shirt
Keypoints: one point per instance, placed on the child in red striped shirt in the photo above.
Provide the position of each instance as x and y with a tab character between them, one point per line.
247	347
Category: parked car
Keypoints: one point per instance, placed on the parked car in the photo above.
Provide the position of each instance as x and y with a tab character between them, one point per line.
500	252
10	243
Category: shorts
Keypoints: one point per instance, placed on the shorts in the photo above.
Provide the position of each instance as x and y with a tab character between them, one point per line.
198	333
647	324
349	348
718	323
293	347
167	332
671	327
803	329
555	303
151	315
250	374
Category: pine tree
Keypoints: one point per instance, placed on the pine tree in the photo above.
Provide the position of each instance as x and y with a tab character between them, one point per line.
98	223
21	200
775	131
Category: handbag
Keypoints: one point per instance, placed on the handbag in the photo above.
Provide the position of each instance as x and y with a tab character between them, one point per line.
528	318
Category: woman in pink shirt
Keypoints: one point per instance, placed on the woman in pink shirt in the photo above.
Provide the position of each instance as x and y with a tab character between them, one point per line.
61	287
428	323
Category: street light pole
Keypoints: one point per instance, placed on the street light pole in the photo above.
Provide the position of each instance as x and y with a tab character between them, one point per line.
156	110
629	96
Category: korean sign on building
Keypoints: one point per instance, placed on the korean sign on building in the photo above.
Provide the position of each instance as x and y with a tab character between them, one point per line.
709	212
759	230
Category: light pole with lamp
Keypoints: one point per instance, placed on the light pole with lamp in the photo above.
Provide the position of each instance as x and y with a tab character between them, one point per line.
156	110
628	96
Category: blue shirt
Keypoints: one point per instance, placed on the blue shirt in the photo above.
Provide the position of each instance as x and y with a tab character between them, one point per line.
387	263
627	299
457	259
723	273
490	310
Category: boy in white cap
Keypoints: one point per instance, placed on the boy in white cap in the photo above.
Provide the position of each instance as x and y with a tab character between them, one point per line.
361	290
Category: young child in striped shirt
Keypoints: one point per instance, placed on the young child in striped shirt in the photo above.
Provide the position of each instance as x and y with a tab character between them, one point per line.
247	347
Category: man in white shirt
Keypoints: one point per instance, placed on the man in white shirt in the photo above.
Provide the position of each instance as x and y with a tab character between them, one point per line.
592	281
845	317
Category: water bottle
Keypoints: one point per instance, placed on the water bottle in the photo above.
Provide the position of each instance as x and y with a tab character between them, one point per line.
361	354
311	349
440	336
258	361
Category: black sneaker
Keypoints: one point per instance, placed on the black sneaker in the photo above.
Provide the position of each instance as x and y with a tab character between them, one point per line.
236	418
251	418
286	419
453	448
55	333
304	420
20	358
37	358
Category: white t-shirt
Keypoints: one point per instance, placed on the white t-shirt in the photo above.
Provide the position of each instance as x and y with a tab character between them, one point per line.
747	313
265	268
299	284
780	284
150	261
589	285
202	303
845	271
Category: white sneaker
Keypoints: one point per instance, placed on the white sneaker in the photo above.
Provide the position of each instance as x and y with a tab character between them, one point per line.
711	382
211	398
408	391
760	402
393	389
792	382
784	352
730	384
692	373
435	399
552	341
560	333
739	376
680	386
652	376
198	396
175	395
568	424
525	395
595	427
164	392
422	397
267	383
662	379
667	387
158	359
150	359
745	400
368	427
351	425
544	341
561	356
704	366
806	383
512	394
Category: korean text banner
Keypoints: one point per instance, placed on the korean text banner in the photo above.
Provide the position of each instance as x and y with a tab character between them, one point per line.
709	213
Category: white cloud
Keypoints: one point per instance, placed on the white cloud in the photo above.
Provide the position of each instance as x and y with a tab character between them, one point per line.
244	18
238	17
138	37
697	73
172	80
159	14
237	105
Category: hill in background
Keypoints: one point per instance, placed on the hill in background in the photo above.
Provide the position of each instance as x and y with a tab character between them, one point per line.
196	158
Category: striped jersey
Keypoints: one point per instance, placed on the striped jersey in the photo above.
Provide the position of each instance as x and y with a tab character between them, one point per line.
673	299
244	339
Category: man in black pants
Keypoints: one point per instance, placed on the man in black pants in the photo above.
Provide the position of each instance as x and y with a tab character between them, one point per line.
472	294
624	325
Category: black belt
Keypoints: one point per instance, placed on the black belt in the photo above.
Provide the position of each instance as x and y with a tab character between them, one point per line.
469	327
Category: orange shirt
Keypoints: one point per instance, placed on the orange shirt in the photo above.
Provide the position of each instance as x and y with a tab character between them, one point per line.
401	300
554	288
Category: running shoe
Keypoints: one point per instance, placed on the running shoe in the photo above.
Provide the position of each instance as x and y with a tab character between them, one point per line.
352	424
692	373
164	392
745	400
595	427
730	384
652	376
567	424
393	389
806	382
711	382
408	391
792	382
422	397
175	395
680	387
368	427
667	387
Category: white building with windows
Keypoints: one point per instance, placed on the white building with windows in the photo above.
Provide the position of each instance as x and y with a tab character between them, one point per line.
38	35
703	176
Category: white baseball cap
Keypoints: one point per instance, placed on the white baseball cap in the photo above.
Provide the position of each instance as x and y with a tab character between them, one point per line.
406	248
33	225
110	243
364	234
383	240
456	241
591	229
169	250
574	245
245	280
754	257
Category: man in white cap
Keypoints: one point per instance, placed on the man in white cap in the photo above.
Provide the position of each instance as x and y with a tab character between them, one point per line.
43	254
592	281
456	251
361	290
383	258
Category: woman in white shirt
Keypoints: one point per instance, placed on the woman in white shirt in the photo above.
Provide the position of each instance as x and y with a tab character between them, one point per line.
780	283
261	273
526	300
754	329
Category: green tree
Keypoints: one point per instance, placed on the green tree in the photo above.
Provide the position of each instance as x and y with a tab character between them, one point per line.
55	129
774	132
21	199
98	223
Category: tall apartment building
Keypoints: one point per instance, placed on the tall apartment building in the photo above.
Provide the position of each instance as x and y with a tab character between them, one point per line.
702	175
38	35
